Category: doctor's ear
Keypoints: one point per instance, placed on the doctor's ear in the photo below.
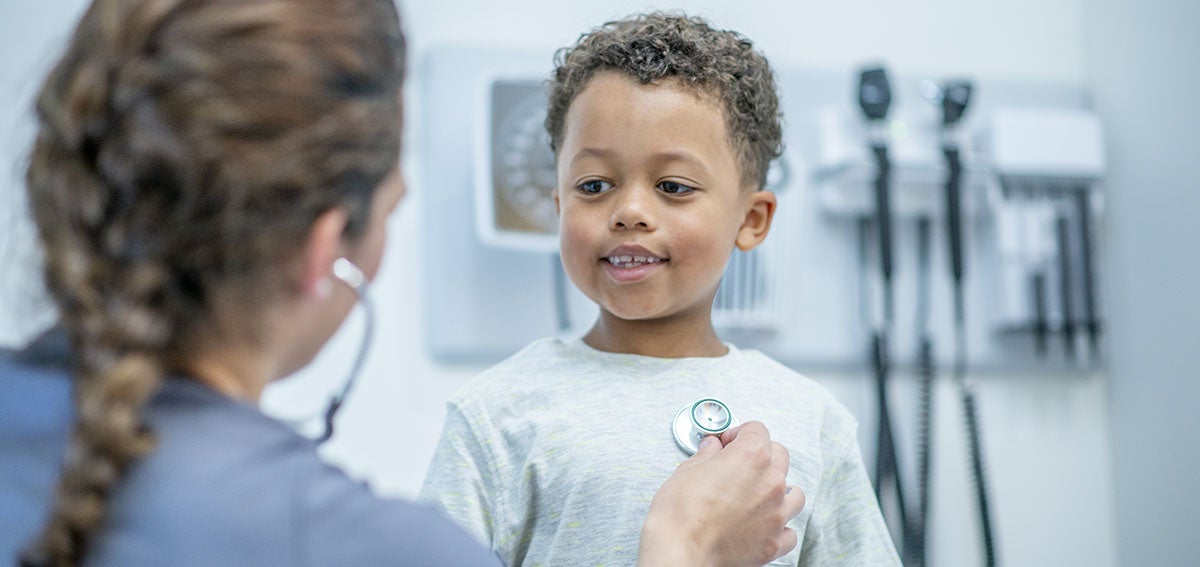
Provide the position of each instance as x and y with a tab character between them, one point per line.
760	210
322	247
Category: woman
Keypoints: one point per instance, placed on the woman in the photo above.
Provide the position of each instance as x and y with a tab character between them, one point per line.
199	169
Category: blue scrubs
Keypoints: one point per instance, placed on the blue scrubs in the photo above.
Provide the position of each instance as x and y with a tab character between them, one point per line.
226	485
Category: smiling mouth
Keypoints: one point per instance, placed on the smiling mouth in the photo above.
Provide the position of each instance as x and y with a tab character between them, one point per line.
632	261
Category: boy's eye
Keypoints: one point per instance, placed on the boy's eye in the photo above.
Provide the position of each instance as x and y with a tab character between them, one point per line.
595	186
674	188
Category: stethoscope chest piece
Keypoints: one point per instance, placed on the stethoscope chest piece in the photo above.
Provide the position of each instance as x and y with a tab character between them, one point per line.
707	416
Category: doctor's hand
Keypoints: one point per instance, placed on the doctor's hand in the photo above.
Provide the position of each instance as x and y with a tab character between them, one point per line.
727	505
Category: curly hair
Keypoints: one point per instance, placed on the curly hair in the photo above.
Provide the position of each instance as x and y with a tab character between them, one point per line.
661	46
184	150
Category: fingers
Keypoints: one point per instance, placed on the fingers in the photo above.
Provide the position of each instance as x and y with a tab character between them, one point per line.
793	501
780	459
750	431
709	446
787	542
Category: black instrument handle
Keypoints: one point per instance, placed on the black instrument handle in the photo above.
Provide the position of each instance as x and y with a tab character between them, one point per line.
883	217
954	229
1065	288
1041	326
1091	319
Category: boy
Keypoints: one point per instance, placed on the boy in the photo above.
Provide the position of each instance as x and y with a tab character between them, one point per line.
663	129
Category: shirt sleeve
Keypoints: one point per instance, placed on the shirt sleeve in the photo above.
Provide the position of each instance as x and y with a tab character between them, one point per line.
346	524
461	479
847	527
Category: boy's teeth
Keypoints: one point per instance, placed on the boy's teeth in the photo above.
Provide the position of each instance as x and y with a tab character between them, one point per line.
621	260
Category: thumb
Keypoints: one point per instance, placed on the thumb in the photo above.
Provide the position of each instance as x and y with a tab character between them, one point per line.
709	446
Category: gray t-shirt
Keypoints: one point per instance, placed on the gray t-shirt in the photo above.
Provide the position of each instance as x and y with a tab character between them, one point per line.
554	455
226	485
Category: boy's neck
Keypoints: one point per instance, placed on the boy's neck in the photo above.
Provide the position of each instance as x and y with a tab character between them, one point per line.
674	337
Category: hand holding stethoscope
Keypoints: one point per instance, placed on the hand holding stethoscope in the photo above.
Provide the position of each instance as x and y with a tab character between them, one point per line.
695	421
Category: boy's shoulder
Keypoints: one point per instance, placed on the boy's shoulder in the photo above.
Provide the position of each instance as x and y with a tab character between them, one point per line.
790	388
771	372
528	369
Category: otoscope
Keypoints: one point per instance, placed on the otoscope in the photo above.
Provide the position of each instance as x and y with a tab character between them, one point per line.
954	96
874	98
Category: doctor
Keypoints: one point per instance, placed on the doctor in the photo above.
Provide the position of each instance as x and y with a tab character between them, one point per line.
200	167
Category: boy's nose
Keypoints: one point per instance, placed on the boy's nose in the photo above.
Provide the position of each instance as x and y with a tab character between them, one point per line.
634	210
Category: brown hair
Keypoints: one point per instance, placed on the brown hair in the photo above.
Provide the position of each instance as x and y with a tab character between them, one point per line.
657	46
184	149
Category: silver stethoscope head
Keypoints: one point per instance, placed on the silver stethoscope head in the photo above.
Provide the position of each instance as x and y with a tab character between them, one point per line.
695	421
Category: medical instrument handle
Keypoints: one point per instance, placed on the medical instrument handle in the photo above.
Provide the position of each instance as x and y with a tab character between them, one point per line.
883	217
954	232
1089	292
1041	327
1064	276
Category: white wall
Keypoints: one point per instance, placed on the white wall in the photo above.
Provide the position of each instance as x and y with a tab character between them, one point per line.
1143	66
32	34
1046	436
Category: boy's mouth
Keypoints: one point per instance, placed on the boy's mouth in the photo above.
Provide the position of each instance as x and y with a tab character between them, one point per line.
630	263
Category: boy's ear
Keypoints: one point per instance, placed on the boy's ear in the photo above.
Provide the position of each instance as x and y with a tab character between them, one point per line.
557	206
759	213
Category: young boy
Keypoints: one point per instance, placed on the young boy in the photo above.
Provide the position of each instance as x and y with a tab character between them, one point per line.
663	129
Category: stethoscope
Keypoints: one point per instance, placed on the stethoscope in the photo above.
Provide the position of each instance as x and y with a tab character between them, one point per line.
351	275
697	420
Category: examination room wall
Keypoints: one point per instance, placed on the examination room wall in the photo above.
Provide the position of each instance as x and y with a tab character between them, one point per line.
1049	438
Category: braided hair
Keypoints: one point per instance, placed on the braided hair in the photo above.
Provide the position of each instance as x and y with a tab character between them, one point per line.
184	149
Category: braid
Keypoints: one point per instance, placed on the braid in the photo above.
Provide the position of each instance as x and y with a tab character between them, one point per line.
184	148
108	287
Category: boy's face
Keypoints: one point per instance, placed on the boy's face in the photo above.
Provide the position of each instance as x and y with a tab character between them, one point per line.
650	198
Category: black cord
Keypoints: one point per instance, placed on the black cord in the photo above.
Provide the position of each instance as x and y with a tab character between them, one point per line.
335	404
970	413
887	473
954	234
915	540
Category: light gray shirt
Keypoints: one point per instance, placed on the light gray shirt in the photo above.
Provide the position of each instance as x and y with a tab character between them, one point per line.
553	456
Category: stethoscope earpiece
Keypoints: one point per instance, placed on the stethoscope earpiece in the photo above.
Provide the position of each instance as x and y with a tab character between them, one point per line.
695	421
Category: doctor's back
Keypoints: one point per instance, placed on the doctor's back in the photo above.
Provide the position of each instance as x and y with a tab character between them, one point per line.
225	485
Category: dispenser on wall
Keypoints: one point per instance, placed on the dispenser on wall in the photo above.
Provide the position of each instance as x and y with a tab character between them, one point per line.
1049	164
